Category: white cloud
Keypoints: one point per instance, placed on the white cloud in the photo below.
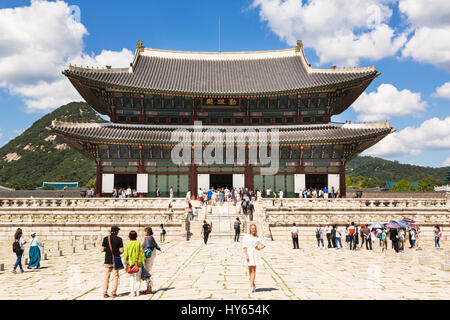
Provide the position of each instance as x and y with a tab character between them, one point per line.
387	101
443	91
106	57
433	134
43	95
36	43
432	13
446	163
429	45
36	40
431	23
340	31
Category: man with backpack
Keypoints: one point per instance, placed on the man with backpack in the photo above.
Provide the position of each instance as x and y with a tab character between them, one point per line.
244	206
237	230
319	236
206	230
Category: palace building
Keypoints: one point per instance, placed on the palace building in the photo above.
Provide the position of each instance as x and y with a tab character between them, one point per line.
272	94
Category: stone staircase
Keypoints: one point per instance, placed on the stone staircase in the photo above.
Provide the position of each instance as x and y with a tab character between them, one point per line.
222	219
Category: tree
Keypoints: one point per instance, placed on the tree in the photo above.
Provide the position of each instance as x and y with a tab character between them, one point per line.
21	185
49	187
403	185
427	184
92	183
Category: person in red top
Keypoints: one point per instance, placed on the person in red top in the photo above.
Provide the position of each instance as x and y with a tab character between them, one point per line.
352	233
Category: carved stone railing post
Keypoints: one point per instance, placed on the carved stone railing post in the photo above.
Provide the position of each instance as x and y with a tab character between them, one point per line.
448	201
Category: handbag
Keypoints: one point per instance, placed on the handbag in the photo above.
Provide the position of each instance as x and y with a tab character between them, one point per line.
148	252
145	274
135	267
117	261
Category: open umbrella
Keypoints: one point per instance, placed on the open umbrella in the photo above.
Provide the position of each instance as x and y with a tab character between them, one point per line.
403	224
409	220
376	225
393	225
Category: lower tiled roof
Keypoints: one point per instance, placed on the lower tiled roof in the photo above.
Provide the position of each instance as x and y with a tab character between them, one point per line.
149	134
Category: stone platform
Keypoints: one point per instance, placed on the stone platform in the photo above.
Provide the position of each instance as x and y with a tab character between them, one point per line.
64	218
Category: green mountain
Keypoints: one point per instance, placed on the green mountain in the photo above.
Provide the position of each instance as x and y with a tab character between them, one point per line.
369	172
37	155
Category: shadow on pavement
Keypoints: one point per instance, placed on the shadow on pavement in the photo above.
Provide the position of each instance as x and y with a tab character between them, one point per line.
163	289
266	289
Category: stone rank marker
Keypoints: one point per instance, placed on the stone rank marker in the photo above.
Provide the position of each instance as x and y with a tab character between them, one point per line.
446	265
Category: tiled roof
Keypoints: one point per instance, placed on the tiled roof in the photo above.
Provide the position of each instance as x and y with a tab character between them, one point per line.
220	73
128	133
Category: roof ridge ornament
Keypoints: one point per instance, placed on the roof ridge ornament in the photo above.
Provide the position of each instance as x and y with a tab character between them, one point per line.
140	46
299	46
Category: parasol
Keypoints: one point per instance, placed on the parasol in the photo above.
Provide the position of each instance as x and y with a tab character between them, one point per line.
393	225
403	224
376	225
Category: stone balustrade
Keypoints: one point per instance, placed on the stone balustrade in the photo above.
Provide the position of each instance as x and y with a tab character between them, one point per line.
358	203
91	203
343	211
64	218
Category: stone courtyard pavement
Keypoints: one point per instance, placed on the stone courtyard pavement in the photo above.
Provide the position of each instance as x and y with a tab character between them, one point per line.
191	270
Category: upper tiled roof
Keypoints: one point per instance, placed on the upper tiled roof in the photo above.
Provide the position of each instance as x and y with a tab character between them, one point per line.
129	133
221	73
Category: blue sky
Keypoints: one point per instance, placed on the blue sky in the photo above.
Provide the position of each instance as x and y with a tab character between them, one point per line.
388	34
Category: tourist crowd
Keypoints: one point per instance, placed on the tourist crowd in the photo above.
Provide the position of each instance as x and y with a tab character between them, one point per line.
320	193
138	258
372	235
123	192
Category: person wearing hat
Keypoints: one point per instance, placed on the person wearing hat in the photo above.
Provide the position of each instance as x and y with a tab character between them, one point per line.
35	252
112	246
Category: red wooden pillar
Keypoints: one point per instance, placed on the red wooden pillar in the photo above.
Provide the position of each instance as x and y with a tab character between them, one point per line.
99	179
193	180
342	180
142	117
113	114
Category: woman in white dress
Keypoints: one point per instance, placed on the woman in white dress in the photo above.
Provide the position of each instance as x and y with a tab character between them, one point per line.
252	244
